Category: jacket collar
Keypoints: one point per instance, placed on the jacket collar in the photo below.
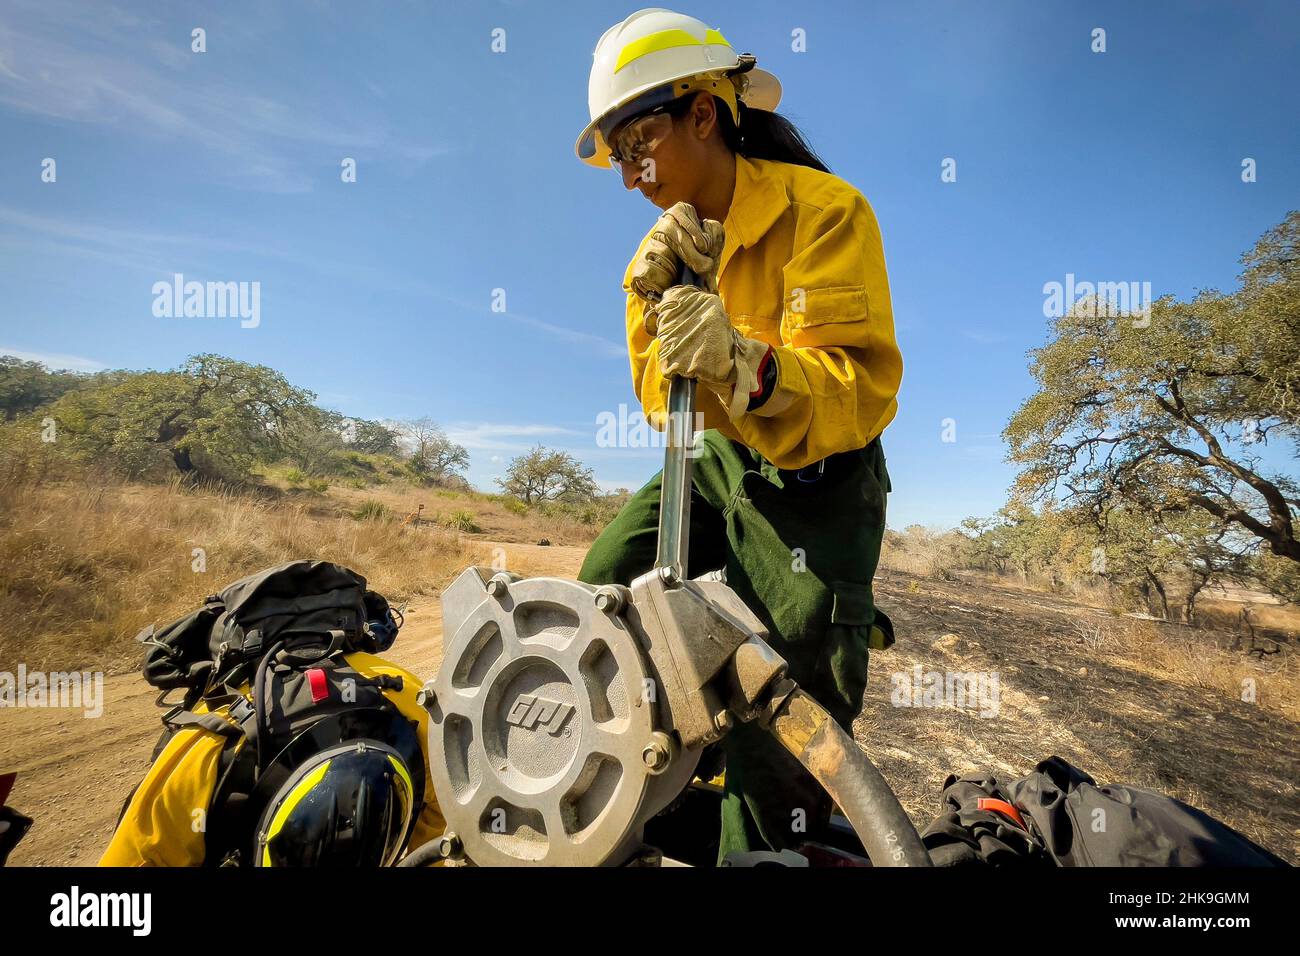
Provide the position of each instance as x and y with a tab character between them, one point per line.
757	203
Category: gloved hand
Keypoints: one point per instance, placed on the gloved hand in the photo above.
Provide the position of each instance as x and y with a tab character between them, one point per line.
697	340
678	237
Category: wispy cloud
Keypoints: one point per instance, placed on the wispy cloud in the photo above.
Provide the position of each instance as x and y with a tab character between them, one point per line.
56	360
149	250
496	436
596	343
100	64
161	253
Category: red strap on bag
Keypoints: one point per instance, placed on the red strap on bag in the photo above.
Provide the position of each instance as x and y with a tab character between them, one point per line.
320	688
1001	806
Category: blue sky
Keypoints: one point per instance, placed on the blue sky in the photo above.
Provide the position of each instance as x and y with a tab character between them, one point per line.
377	295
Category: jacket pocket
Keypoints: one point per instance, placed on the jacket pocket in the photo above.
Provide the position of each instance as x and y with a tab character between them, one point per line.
820	306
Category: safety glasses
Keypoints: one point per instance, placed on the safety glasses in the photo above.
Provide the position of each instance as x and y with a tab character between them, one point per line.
639	138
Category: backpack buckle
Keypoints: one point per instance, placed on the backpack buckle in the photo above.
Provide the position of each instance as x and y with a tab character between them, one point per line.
240	709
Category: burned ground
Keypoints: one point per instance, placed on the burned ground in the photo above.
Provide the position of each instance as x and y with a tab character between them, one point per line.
1135	702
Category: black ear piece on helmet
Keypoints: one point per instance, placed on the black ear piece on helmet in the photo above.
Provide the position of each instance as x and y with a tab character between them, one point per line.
381	625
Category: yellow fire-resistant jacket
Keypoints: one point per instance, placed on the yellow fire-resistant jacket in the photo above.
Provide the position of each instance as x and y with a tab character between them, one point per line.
802	270
160	827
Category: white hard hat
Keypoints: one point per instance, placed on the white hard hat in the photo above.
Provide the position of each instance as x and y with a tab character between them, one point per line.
636	65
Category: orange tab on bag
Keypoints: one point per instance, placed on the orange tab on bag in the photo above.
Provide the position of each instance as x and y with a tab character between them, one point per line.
1001	806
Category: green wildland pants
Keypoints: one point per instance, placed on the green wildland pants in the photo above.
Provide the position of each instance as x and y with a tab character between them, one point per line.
800	548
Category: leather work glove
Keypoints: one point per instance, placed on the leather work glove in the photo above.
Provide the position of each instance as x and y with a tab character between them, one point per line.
697	340
678	237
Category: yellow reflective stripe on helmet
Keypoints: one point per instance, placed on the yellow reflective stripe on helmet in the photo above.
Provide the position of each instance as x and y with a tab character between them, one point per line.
291	801
665	40
407	802
402	772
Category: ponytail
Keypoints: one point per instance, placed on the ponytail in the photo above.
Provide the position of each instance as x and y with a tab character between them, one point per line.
766	135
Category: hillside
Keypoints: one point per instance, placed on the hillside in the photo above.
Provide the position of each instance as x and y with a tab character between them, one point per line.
86	565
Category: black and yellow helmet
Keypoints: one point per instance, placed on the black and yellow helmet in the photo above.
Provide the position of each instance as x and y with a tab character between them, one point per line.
347	806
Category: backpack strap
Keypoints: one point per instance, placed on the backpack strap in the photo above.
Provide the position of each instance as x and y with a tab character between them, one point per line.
261	713
227	839
240	711
177	719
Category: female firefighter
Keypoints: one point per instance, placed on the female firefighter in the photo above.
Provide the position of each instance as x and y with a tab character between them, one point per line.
792	342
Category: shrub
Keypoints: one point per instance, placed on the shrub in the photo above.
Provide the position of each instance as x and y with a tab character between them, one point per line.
372	510
462	520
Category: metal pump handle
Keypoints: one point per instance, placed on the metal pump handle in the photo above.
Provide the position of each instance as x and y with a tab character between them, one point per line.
798	722
675	489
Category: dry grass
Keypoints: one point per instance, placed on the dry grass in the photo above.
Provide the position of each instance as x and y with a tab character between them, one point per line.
1185	656
1203	657
495	516
1094	634
84	567
936	553
1267	617
921	551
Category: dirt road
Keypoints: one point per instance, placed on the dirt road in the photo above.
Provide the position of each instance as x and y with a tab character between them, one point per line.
74	772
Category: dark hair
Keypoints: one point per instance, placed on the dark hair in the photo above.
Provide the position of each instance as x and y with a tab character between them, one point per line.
765	135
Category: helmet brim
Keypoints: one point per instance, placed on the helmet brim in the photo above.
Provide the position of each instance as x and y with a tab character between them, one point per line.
763	92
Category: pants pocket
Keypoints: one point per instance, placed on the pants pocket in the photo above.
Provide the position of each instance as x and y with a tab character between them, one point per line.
842	671
882	631
855	606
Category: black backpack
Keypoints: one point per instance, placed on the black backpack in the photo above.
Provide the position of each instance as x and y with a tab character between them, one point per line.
286	631
233	630
1059	816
